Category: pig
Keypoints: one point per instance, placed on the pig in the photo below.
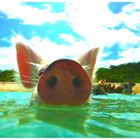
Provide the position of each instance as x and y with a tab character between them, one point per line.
104	87
62	82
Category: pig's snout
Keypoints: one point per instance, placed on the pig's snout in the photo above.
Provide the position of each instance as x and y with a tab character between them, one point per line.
64	82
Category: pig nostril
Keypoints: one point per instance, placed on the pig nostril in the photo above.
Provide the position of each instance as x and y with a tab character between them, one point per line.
51	82
77	82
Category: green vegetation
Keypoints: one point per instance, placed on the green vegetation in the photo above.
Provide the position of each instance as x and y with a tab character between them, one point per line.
7	76
129	72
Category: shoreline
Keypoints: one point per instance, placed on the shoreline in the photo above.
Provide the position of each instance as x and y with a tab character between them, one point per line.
18	87
13	87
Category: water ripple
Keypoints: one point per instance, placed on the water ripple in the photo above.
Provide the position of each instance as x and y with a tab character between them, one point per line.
113	115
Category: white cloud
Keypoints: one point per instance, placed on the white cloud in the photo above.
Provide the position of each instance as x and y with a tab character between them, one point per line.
52	51
29	15
8	58
86	19
126	56
132	14
68	38
131	55
91	19
122	37
47	49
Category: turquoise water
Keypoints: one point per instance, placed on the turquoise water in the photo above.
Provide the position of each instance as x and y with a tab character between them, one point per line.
112	115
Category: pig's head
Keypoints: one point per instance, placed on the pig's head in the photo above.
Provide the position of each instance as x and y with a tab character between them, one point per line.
62	82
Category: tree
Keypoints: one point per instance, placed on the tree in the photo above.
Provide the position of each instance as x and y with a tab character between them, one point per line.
7	75
125	72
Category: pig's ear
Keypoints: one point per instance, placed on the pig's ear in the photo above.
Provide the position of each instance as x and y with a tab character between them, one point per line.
27	61
88	60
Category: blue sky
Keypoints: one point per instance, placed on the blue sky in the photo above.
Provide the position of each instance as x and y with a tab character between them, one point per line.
68	29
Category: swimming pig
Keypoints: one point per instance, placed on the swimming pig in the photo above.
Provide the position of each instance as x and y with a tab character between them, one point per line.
104	87
64	81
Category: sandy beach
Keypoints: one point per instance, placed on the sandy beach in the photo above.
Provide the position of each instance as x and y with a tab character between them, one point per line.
12	86
17	87
136	88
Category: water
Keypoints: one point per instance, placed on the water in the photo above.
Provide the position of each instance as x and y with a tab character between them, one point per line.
112	115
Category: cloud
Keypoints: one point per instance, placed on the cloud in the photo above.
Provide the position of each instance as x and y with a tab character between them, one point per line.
29	15
97	23
68	38
47	49
52	51
122	37
91	20
8	58
131	15
85	19
129	55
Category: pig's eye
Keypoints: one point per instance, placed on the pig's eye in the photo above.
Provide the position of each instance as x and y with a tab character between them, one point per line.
77	82
41	71
52	82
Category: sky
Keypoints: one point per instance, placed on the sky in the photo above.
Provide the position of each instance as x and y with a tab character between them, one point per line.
69	29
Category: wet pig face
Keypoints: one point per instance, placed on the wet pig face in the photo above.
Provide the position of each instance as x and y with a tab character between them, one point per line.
64	82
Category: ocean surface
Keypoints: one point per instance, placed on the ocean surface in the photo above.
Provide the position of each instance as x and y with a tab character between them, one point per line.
108	116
